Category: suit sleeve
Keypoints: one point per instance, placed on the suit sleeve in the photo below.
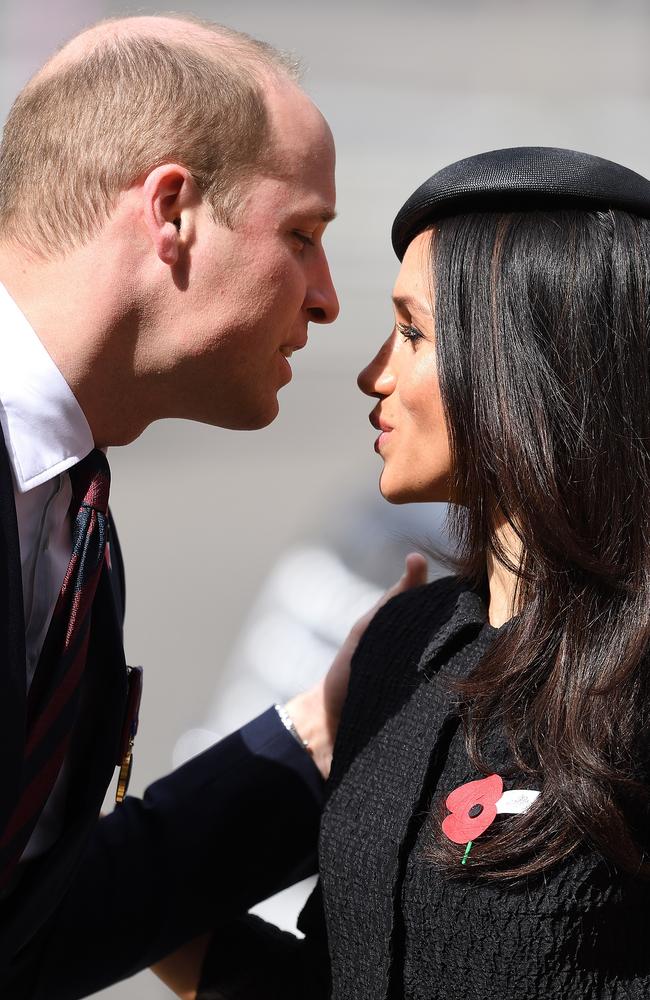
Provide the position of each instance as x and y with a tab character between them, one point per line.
226	830
250	959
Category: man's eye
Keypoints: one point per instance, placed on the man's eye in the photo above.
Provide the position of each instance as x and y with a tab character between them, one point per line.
303	238
409	332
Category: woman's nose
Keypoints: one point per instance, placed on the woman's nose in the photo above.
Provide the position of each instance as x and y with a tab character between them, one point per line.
378	377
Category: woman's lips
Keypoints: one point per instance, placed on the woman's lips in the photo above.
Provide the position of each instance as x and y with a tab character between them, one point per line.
380	425
381	441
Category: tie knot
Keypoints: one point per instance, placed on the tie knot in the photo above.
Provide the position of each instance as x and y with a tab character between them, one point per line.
91	480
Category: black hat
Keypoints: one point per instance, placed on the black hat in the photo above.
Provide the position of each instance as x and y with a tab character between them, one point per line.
520	179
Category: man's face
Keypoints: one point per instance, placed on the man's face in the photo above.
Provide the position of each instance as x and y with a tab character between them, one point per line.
252	289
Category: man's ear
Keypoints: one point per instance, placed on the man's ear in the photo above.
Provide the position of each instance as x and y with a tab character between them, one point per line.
167	191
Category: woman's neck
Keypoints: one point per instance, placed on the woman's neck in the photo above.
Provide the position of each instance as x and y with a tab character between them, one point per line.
502	582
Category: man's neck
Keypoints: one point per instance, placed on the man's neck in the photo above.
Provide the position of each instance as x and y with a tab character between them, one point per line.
69	303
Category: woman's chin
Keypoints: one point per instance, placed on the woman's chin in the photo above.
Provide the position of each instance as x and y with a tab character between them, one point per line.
401	491
396	492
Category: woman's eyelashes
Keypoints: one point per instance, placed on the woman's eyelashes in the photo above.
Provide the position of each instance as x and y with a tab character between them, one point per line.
409	332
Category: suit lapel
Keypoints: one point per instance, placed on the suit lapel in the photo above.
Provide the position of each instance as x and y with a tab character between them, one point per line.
97	735
12	644
91	762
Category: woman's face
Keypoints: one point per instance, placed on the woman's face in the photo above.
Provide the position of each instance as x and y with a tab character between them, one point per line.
403	376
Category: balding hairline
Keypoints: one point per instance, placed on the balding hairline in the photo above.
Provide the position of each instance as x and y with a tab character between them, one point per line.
69	148
178	29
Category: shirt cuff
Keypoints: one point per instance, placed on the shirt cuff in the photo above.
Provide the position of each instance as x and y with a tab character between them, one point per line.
268	737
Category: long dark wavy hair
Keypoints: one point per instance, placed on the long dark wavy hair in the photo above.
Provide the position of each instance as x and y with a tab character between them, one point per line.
543	342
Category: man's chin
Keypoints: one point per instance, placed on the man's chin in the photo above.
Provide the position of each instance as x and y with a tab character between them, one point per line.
255	419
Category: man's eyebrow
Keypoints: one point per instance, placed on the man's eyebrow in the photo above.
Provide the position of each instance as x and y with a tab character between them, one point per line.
408	304
324	214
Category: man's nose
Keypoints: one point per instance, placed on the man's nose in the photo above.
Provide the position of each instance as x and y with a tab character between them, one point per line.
322	301
378	377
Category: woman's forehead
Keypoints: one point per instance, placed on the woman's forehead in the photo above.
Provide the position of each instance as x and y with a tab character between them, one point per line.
412	286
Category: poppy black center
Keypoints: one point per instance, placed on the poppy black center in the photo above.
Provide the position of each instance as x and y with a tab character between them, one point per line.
476	810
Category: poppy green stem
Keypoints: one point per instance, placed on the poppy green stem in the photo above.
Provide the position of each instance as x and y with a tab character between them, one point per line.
466	854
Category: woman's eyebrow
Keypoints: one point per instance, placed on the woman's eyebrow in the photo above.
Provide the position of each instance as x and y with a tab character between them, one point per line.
408	304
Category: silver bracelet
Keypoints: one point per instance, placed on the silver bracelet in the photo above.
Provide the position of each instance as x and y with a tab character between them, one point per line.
287	721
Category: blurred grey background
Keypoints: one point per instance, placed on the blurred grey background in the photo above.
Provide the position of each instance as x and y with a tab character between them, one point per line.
407	88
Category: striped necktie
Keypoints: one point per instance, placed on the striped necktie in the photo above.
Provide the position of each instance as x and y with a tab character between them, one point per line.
53	699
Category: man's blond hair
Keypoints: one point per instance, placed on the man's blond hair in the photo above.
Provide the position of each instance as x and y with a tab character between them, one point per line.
86	128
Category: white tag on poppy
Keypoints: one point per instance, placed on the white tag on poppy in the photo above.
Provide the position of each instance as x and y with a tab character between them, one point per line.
517	800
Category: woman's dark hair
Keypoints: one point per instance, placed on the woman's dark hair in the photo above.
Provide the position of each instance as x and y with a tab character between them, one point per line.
543	342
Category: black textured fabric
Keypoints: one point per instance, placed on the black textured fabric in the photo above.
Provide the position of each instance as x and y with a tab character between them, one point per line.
518	179
396	928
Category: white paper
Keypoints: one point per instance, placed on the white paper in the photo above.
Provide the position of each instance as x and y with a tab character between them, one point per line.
517	800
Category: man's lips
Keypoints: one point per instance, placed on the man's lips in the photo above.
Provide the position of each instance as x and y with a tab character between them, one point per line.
287	349
379	423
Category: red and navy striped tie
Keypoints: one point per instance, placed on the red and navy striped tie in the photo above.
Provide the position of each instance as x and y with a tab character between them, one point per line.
53	699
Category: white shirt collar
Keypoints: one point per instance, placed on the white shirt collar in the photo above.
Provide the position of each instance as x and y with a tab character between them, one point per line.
45	429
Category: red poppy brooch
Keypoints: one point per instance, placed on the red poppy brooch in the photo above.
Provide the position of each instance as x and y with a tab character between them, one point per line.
474	806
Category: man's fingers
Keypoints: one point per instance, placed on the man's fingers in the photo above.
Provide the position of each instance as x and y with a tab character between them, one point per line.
316	713
415	573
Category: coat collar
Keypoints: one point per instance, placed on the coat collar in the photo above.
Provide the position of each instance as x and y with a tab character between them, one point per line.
46	431
468	615
398	722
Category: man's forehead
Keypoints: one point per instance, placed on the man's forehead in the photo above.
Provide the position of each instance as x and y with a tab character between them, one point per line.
307	189
300	133
316	203
269	195
313	209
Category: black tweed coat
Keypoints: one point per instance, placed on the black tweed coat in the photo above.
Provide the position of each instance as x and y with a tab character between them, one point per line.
383	923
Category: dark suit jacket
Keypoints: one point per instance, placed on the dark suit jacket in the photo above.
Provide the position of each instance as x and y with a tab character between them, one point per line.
228	829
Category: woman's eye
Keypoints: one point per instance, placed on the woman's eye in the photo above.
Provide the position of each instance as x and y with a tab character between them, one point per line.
409	332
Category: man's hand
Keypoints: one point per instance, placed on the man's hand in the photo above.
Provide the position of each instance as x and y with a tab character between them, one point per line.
181	971
316	713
